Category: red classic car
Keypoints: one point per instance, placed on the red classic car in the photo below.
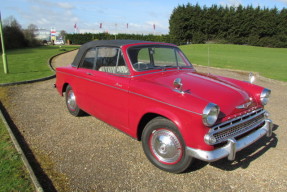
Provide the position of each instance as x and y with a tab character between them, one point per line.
151	92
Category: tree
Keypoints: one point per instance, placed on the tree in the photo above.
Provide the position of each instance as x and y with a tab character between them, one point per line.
30	36
15	37
13	34
63	34
238	25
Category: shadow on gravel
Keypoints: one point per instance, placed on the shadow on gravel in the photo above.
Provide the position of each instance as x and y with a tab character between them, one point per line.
195	166
43	179
249	154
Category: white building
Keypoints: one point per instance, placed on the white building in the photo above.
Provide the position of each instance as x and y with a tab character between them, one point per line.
43	34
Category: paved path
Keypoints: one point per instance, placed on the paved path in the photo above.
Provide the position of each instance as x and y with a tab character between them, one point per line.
85	154
64	59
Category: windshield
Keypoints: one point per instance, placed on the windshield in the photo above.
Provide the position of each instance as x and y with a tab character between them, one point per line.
157	57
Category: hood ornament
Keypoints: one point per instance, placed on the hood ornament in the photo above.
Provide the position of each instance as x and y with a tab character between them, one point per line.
244	106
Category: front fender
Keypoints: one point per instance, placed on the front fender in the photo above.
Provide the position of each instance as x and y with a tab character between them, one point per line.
189	123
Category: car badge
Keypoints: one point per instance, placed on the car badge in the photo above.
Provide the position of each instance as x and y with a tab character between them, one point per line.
244	106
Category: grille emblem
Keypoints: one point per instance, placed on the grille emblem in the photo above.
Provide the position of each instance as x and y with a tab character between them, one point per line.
244	106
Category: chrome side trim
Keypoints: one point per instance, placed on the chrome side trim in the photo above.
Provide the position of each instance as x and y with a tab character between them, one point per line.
131	92
94	81
233	146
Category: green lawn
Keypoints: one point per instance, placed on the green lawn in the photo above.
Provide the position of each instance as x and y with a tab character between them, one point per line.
30	63
24	64
269	62
13	174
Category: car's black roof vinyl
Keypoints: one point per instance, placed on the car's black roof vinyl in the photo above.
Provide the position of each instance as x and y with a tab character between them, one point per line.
115	43
112	43
108	43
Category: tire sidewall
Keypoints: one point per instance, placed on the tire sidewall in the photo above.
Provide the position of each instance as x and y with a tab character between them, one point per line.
77	111
162	123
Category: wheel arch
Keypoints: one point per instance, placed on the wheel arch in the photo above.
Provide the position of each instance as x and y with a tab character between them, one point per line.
151	115
144	120
64	87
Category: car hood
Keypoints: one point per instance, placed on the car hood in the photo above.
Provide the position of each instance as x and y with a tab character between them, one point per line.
198	87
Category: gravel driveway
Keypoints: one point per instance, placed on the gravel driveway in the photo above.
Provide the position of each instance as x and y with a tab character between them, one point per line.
86	154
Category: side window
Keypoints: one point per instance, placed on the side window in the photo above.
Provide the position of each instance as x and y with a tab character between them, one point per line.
89	59
110	60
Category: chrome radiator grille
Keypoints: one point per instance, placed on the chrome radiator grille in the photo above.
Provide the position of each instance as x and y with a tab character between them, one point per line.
237	126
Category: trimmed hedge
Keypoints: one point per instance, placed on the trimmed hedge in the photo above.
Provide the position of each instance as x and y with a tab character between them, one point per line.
86	37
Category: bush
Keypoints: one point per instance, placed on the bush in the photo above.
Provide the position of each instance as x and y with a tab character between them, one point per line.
14	37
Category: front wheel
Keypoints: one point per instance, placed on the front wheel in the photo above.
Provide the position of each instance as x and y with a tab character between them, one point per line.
164	146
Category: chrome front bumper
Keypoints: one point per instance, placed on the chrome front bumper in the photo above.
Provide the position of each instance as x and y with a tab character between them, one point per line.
232	146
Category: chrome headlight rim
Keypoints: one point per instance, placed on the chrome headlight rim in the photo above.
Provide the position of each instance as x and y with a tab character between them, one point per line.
210	114
264	96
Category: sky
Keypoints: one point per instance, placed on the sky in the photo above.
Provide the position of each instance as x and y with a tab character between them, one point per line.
125	16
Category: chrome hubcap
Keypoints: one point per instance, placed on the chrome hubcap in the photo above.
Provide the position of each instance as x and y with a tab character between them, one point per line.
71	100
165	146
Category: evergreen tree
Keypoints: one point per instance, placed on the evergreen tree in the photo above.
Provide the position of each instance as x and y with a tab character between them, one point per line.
238	25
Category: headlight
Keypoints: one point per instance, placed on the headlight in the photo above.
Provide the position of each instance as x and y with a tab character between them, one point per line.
264	96
210	114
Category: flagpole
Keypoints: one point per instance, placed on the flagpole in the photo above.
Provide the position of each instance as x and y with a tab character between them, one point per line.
75	28
4	57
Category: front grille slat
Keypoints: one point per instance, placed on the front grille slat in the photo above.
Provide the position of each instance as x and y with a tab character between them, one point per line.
237	126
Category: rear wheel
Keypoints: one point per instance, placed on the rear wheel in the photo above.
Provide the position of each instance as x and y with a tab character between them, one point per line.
164	146
71	102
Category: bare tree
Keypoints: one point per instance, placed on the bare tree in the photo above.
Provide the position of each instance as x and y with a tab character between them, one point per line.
12	22
30	35
63	34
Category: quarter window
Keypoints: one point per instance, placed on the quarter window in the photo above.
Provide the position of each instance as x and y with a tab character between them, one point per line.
105	59
89	59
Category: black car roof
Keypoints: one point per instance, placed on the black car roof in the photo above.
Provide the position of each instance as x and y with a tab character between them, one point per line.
114	43
109	43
